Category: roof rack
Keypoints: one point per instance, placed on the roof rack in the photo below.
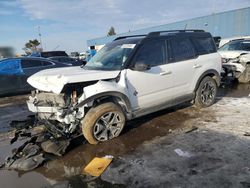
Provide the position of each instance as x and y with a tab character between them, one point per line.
157	33
128	36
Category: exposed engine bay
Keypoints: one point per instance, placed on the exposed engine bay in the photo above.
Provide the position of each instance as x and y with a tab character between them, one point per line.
59	112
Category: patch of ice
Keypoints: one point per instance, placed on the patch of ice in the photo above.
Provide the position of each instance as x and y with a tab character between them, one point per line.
183	153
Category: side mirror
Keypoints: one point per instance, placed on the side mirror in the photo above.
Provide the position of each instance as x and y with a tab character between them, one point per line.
141	66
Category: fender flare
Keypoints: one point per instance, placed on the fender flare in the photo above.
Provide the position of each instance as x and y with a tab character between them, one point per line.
117	94
207	73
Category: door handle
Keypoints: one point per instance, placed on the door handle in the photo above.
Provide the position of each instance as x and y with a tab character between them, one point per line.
197	66
165	73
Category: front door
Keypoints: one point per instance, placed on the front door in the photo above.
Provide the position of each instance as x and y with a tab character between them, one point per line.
152	87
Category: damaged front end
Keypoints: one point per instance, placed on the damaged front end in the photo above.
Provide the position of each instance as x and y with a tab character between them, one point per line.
58	112
236	65
58	95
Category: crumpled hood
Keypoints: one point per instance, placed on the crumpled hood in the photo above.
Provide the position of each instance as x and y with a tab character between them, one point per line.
53	80
231	54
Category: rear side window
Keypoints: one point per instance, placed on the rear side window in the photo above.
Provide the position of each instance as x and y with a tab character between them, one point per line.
152	53
204	45
246	45
53	53
182	49
31	63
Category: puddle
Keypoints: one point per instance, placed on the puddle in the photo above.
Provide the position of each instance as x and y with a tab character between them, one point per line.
234	89
136	133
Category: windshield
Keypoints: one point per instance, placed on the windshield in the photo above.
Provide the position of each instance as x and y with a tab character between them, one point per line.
112	56
236	45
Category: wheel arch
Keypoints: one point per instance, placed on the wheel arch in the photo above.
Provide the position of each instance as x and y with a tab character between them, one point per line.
212	73
110	96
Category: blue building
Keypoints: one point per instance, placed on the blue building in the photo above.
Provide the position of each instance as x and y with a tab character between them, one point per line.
225	24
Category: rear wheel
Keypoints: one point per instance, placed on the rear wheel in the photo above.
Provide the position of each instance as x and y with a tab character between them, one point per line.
206	92
103	123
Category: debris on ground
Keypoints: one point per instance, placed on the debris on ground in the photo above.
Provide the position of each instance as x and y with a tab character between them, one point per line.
39	141
98	165
24	124
183	153
246	134
193	128
56	147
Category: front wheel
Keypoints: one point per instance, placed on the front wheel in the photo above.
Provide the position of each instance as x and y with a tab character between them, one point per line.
206	92
103	123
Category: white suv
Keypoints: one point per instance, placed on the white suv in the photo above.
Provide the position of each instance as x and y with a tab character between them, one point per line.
130	77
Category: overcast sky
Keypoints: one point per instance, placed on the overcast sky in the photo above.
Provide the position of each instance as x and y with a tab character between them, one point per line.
67	24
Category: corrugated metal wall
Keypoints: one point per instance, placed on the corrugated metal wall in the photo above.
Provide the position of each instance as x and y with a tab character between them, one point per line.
225	24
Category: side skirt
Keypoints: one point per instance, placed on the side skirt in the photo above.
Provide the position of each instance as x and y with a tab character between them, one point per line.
166	104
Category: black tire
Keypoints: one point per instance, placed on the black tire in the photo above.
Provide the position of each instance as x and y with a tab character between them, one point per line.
245	76
103	123
206	92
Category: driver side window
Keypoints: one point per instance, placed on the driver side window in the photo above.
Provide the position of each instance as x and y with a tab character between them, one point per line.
152	53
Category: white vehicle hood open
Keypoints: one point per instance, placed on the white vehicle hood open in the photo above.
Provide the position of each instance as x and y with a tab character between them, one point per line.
53	80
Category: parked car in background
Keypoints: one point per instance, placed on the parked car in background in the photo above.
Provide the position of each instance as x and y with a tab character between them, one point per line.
15	71
82	56
227	40
67	60
128	78
74	55
236	58
47	54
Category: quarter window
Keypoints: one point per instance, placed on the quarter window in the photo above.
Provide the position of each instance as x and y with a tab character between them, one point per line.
182	49
152	53
204	45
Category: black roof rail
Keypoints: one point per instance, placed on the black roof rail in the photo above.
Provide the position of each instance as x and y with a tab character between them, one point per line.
128	36
157	33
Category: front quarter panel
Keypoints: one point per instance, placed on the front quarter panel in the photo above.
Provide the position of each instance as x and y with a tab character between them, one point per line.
101	87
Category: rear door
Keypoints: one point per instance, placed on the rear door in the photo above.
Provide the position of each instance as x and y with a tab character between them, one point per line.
184	62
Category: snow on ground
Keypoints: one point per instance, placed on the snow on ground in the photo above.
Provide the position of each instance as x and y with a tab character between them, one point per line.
232	115
215	155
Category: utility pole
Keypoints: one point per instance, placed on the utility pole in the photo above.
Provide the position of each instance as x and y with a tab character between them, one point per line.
40	37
